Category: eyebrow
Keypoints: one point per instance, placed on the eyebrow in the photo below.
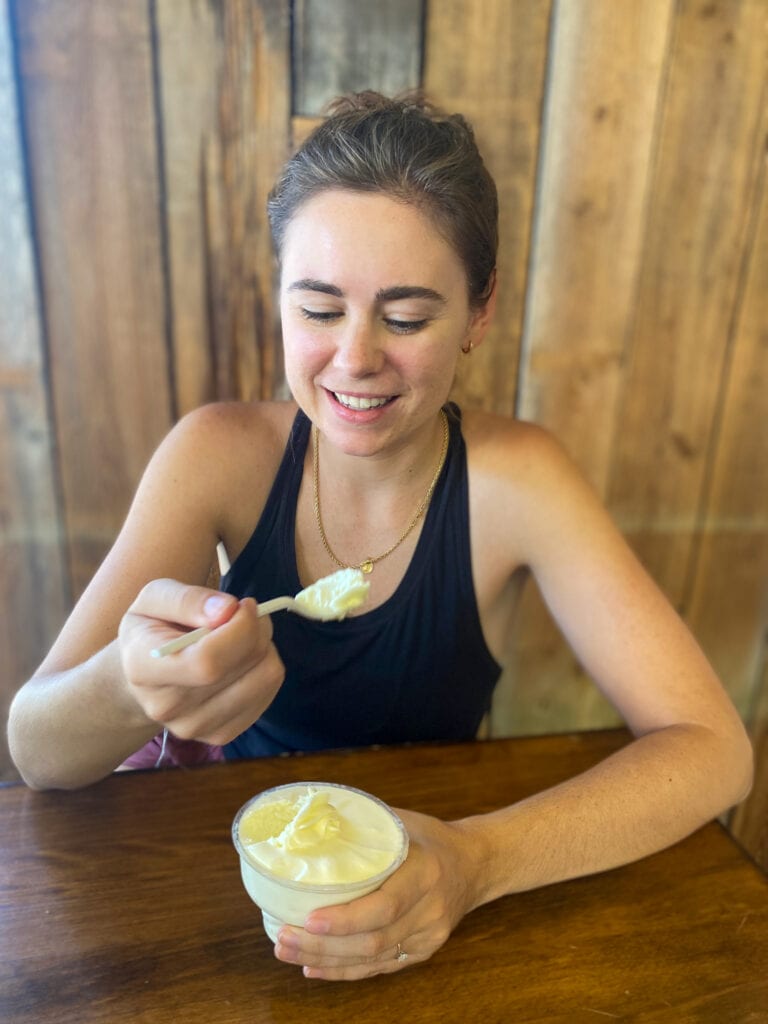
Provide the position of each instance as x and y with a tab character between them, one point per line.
309	284
398	291
409	291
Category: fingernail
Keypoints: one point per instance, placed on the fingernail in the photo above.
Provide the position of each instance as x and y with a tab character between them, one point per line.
215	605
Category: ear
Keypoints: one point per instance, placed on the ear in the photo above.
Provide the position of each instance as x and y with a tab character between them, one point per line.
481	319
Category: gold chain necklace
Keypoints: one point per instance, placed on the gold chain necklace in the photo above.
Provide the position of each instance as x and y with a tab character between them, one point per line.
368	563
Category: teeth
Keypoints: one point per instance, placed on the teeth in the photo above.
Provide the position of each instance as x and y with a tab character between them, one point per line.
353	402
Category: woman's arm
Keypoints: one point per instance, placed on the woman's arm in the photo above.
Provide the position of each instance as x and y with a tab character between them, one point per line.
690	759
636	802
99	695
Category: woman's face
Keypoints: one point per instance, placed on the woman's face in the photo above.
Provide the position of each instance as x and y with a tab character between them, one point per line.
375	310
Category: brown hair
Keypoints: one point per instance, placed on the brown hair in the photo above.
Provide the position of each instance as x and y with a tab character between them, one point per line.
411	150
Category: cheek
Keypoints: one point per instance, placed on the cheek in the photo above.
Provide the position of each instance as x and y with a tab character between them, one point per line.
303	354
435	366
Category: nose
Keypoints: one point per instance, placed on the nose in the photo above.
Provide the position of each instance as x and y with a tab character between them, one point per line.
359	352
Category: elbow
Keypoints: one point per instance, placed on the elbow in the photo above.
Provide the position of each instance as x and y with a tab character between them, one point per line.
744	758
736	765
14	742
37	778
20	745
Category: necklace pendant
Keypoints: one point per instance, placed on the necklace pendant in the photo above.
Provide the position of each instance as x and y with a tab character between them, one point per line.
366	566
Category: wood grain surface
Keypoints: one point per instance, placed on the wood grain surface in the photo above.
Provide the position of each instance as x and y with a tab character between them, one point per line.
91	132
224	80
489	62
353	45
628	142
122	903
701	208
34	592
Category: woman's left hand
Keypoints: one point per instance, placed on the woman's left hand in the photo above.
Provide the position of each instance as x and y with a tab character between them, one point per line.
402	923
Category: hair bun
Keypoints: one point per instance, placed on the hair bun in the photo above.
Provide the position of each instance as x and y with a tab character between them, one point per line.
369	100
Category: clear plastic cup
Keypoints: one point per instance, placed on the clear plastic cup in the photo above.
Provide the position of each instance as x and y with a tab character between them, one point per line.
287	901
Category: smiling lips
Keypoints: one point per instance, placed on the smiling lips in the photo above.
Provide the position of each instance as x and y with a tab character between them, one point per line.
357	402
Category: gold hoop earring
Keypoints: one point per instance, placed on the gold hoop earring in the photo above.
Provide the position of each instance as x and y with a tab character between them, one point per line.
466	349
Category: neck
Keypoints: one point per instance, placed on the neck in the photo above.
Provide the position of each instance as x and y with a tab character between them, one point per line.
367	516
408	463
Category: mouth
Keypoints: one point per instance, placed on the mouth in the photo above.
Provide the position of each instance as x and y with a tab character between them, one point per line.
362	402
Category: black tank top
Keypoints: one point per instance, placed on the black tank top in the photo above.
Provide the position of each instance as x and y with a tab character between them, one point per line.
415	668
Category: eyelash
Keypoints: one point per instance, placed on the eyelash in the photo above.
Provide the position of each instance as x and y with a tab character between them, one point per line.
398	326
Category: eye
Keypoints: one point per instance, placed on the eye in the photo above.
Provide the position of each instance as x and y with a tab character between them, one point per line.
405	326
320	316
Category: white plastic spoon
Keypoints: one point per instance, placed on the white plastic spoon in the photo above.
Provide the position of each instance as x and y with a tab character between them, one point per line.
328	598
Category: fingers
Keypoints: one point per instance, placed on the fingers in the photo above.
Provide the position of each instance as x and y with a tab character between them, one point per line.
328	966
222	713
214	689
413	912
388	965
363	938
172	601
166	610
379	953
221	656
376	910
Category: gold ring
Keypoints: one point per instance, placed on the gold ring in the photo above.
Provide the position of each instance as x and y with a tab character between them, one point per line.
401	955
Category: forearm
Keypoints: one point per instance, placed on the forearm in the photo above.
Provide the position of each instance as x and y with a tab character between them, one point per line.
647	796
74	727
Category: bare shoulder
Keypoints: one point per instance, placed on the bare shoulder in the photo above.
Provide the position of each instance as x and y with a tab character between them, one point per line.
527	496
253	429
515	456
225	455
221	442
207	481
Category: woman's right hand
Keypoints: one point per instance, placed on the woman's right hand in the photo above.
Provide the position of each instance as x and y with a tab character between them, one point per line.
217	687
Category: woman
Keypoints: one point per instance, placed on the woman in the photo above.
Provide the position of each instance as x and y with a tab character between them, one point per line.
385	225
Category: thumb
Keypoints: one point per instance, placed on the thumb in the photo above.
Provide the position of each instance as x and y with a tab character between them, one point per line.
185	605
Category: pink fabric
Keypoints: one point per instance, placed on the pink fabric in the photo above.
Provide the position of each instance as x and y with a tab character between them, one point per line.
177	754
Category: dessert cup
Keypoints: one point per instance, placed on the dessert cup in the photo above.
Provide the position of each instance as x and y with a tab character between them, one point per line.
287	900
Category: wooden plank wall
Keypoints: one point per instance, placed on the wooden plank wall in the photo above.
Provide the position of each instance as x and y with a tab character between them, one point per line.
34	587
628	141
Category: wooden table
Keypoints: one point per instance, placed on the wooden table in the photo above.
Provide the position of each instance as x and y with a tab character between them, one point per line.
123	903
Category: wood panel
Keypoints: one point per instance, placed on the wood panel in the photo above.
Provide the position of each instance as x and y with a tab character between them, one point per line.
224	77
342	46
698	224
627	141
728	604
33	583
729	592
604	92
89	109
605	85
488	61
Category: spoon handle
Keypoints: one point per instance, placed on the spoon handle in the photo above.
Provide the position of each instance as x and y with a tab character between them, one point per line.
277	604
181	642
